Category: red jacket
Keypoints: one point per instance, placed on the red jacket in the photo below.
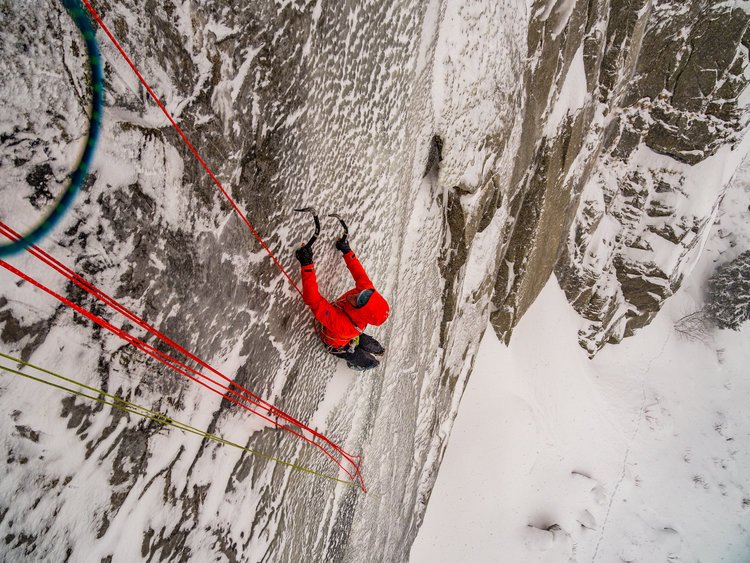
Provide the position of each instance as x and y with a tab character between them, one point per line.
341	321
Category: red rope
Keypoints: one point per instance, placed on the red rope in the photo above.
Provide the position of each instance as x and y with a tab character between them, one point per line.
179	367
171	362
101	296
167	360
189	144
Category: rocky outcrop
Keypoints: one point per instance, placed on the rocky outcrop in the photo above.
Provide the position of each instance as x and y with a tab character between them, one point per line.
674	122
633	118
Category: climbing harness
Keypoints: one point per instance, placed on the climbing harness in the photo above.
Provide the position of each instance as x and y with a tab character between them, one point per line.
78	176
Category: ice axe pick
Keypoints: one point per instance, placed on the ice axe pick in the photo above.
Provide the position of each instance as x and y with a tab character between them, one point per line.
343	224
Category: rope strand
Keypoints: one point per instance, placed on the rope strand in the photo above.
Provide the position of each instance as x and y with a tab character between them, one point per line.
188	143
124	405
177	366
170	361
79	174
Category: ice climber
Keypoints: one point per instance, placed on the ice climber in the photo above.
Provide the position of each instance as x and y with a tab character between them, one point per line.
341	324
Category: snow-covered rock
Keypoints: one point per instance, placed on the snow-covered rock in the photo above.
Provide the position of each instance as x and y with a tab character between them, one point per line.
673	122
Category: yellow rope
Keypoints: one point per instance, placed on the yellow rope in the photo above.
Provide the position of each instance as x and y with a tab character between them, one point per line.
123	405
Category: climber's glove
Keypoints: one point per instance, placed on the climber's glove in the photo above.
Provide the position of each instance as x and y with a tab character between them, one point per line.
342	244
305	255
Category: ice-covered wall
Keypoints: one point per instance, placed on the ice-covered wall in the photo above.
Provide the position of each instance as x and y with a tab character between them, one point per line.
458	139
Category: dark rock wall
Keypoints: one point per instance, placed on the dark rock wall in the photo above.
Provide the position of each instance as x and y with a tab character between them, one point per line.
542	190
674	103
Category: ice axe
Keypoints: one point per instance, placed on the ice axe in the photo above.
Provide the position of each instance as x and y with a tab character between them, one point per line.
317	223
343	224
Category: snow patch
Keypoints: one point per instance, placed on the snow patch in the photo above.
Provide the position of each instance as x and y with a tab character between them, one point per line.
572	96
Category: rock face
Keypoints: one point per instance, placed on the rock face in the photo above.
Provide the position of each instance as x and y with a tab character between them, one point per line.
673	121
649	151
474	147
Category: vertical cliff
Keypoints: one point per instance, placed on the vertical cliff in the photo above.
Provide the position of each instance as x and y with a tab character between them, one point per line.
668	152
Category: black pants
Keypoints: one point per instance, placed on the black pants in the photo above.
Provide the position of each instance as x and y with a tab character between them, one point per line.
361	358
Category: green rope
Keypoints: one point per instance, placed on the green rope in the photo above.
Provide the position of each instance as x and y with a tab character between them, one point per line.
123	405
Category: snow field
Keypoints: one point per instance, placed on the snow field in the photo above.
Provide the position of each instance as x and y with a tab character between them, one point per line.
636	455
